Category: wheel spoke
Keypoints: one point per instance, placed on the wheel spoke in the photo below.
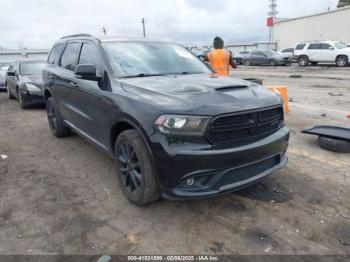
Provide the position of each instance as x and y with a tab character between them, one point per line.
137	176
135	183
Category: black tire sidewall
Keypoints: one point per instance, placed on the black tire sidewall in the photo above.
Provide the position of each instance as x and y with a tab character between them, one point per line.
334	145
149	190
61	130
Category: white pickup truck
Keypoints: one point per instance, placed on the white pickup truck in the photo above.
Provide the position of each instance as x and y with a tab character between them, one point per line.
322	52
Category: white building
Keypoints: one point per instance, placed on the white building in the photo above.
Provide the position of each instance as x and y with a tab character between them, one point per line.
331	25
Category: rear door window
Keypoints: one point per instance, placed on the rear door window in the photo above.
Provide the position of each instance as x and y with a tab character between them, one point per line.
55	53
70	55
314	46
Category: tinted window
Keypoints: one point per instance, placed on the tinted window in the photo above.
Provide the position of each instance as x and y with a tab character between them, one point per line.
70	56
300	46
55	53
89	55
326	46
255	53
244	52
288	50
314	46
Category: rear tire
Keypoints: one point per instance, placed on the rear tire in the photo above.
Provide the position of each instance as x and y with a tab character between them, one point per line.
9	95
247	62
334	145
272	63
56	125
135	168
303	61
342	61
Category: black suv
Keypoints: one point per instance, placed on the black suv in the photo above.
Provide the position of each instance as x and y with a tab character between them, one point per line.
174	128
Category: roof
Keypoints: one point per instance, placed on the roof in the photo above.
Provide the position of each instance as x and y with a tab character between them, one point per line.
111	39
308	16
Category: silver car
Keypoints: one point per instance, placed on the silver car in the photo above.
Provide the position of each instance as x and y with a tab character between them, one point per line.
4	66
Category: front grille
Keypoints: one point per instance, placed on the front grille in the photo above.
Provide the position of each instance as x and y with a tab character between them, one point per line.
245	127
246	172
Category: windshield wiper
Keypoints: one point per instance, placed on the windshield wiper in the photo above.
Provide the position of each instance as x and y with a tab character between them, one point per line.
143	75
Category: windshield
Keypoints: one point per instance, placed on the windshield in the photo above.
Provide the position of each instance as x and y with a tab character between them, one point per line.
339	45
130	59
31	68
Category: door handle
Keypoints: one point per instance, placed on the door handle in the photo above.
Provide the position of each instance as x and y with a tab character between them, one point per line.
73	84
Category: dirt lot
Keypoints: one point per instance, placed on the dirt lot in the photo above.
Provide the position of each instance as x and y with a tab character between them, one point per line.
62	196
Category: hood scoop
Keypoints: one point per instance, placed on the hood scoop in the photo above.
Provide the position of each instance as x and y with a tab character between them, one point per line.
230	88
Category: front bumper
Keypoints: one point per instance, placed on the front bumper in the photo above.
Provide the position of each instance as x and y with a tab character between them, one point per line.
34	98
216	170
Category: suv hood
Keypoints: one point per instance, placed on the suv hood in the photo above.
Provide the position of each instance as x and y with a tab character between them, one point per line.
201	94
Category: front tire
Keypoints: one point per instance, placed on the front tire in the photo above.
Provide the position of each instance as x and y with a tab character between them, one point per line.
272	63
247	62
56	125
135	168
303	61
342	61
21	102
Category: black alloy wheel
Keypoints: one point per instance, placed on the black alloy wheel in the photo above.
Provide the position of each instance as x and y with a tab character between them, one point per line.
136	170
130	168
51	116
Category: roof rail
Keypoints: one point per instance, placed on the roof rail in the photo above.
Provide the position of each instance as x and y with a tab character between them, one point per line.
76	35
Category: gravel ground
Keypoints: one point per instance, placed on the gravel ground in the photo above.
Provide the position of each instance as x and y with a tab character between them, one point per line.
61	196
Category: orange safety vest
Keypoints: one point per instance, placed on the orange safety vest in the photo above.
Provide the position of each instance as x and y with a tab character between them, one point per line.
219	60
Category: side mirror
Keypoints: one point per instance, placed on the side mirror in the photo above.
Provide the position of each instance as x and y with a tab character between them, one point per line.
330	48
11	73
87	72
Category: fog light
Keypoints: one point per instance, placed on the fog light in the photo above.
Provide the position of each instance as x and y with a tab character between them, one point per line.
190	181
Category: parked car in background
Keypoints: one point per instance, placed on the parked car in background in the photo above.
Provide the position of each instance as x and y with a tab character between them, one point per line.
239	56
322	52
267	57
173	129
24	82
201	54
3	69
287	52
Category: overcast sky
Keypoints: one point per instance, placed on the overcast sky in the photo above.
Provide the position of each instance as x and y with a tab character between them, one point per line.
38	23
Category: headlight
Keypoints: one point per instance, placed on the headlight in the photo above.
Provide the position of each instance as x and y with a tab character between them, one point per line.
32	88
181	125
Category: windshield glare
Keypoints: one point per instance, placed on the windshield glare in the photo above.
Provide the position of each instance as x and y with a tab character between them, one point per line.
339	45
142	58
31	68
270	52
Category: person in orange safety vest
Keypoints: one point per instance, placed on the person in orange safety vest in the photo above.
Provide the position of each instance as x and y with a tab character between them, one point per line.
220	59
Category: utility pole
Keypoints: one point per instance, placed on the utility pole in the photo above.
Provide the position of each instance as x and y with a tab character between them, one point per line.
272	13
104	30
143	27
